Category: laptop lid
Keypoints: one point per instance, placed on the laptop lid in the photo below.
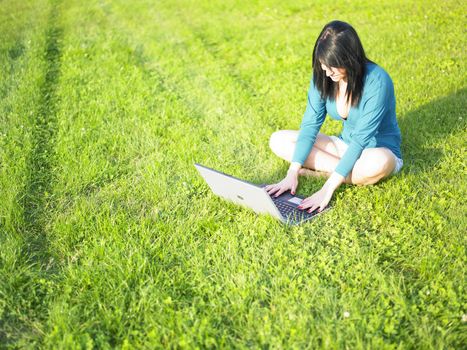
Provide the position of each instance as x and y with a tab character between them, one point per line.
239	191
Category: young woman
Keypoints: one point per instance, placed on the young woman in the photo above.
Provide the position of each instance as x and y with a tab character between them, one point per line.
350	88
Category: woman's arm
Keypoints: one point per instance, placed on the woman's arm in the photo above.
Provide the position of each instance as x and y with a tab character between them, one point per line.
313	118
376	101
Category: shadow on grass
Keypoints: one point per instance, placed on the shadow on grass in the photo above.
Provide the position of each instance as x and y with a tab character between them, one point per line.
429	125
39	162
31	289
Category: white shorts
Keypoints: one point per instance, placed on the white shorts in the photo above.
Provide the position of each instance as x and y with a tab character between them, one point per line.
341	147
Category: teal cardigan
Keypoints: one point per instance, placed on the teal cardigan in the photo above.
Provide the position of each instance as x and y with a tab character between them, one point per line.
372	123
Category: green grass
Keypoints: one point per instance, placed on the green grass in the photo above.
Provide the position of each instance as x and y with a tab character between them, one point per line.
110	239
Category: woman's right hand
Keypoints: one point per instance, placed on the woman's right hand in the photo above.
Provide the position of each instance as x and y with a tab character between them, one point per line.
290	182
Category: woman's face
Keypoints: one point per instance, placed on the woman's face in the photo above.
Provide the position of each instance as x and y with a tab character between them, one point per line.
336	74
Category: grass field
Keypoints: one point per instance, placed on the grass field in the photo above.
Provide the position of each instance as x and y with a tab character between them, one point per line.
110	239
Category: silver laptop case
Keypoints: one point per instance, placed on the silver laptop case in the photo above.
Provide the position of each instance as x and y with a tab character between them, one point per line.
249	195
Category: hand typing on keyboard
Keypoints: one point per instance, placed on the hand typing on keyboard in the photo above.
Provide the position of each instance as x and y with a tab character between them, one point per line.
290	182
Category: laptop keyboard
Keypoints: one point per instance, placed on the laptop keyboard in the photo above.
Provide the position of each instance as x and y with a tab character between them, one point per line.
290	211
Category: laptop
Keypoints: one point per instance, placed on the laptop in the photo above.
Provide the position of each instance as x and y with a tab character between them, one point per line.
283	208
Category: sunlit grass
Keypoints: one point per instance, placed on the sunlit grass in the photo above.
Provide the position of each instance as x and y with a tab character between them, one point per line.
109	238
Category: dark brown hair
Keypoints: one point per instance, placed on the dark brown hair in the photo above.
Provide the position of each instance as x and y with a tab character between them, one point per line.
339	46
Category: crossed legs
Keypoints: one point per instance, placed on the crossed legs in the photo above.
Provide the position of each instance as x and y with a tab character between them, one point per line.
373	165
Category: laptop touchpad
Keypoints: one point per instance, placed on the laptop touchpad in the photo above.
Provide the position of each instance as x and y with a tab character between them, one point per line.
295	200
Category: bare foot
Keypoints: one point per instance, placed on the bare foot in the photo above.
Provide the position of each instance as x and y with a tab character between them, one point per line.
314	173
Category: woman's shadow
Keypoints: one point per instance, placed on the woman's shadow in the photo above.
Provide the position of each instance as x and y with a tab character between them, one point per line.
426	129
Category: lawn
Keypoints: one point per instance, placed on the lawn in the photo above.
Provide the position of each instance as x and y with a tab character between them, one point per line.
110	239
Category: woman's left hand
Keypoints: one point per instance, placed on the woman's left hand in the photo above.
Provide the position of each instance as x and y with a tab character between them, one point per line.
319	200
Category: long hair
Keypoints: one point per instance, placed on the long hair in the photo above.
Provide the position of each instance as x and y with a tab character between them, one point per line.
339	46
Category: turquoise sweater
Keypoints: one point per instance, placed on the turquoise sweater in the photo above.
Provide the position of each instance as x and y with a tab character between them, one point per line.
372	123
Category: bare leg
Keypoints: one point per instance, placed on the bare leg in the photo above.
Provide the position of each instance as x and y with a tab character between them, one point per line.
321	161
373	165
323	156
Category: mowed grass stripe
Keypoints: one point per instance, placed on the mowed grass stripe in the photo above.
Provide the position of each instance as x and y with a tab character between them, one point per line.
156	118
39	184
27	275
120	152
271	76
113	215
167	279
21	71
211	89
